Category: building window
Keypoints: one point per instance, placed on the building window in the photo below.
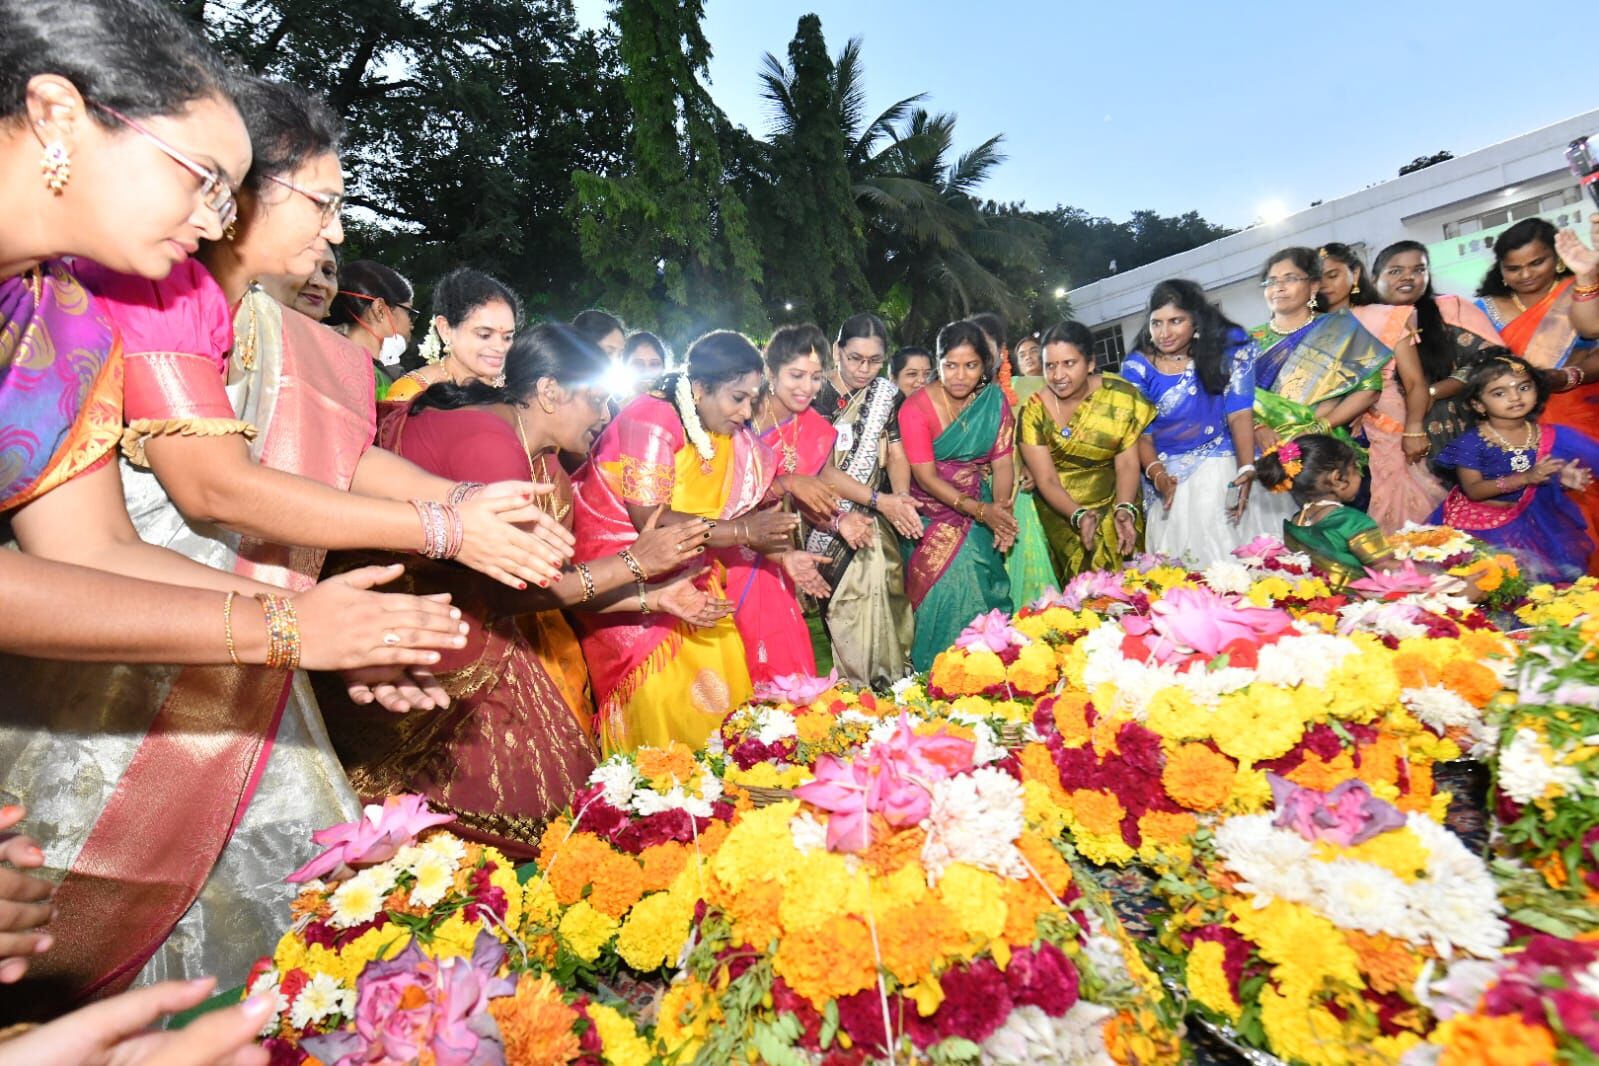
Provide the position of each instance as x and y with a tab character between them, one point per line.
1515	212
1109	348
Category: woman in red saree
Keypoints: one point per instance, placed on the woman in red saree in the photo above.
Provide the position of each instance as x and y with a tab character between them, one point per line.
1552	320
682	452
513	742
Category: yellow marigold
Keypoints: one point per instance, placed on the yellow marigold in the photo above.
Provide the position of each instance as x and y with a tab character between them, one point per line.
1304	948
655	931
665	767
1207	979
536	1024
586	931
1389	964
1399	851
1198	777
1167	834
823	885
1499	1040
827	961
1327	623
1176	717
1071	718
619	1037
1301	1032
540	908
977	900
961	672
1251	792
754	913
1034	671
1269	590
1260	723
813	726
758	848
1130	1038
687	1011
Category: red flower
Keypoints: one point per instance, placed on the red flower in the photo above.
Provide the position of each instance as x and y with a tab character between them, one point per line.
292	983
976	1002
786	1001
1043	978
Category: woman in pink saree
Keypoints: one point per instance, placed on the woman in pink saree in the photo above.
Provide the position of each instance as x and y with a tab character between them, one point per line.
683	451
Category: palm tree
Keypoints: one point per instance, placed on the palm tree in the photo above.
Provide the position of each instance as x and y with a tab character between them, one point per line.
933	253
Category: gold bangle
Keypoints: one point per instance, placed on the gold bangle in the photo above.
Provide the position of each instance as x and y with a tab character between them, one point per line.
643	604
588	581
982	512
633	565
283	631
227	628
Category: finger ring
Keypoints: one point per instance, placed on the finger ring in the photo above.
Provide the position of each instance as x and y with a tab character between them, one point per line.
391	638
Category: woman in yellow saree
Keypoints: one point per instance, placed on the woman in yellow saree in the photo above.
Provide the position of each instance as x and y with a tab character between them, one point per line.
683	451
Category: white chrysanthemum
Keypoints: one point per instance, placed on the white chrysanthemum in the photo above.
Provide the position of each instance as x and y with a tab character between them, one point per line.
359	899
322	997
268	983
902	686
435	874
1381	619
988	748
885	728
1360	895
809	834
1228	576
1314	656
975	818
1459	990
1207	687
447	846
1588	980
407	857
772	725
1439	707
850	716
1298	561
1029	1037
618	777
1270	861
1458	899
1527	769
714	747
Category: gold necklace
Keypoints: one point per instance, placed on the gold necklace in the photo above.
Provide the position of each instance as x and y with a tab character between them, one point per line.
245	353
1515	297
788	450
1285	332
1520	462
540	474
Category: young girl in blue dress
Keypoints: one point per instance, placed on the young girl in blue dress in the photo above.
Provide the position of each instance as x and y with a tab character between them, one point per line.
1514	472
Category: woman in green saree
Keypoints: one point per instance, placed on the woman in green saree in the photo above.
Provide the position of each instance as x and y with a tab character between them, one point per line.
1323	474
957	435
1079	439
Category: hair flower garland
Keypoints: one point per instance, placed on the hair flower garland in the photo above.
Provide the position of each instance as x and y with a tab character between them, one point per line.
693	428
432	347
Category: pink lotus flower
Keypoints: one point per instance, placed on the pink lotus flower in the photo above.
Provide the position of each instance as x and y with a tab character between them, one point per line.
990	632
1265	548
413	1008
893	778
1200	622
1093	585
374	838
1393	584
797	689
1349	814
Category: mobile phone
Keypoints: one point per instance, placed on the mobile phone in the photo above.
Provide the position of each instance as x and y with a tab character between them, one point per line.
1235	493
1581	162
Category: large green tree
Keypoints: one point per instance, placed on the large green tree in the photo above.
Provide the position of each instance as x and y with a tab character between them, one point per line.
813	246
664	235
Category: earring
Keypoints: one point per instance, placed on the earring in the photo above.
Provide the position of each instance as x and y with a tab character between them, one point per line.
499	381
1196	334
1560	264
56	166
232	231
1355	288
1311	303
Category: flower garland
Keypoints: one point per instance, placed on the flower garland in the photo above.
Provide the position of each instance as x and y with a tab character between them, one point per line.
432	348
693	428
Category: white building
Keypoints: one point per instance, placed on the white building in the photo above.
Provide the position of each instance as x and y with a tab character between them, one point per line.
1456	208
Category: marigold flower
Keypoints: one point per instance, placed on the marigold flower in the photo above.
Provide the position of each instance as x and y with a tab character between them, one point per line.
1499	1040
536	1024
828	961
1198	777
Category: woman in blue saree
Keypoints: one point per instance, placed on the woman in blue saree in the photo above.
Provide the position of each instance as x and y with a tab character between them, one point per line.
957	434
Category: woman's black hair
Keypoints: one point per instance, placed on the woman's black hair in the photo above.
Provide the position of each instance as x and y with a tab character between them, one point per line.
365	278
964	332
1074	333
1361	294
288	127
547	350
794	342
596	325
1320	456
1302	257
994	326
643	338
1523	233
1435	347
862	326
1215	335
464	290
135	56
1491	364
896	365
721	356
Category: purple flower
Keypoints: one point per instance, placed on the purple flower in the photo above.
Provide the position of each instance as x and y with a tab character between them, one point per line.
1347	815
374	838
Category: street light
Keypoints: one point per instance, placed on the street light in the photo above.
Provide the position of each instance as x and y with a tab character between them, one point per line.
788	306
1060	292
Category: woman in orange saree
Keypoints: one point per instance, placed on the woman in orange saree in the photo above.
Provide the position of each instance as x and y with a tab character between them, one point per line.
513	742
1552	321
681	452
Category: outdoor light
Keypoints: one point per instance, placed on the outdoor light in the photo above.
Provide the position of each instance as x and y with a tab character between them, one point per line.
788	307
1060	292
1273	212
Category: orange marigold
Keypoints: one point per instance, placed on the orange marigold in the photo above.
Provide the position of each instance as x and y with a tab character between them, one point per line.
1497	1040
1419	796
1098	812
575	865
828	961
1037	765
813	727
618	884
1389	966
1071	718
664	767
536	1024
892	848
1167	829
1046	862
1380	759
1473	682
1321	775
1198	777
754	913
1025	902
1414	670
662	863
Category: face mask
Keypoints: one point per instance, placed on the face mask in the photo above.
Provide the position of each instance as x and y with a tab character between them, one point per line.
390	351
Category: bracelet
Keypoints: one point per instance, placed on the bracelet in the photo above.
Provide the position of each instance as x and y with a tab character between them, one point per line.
587	578
960	498
442	532
1432	392
1128	506
1414	436
632	564
1077	515
227	628
1501	483
463	491
1149	470
982	512
873	503
283	631
1579	288
643	604
1581	296
1573	377
1247	468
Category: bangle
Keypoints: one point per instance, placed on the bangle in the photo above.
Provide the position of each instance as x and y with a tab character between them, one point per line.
643	604
442	532
1149	471
587	578
982	512
1247	468
1581	296
1501	483
1580	289
463	491
1128	506
1573	377
873	504
1077	515
632	564
960	498
227	628
283	631
1414	435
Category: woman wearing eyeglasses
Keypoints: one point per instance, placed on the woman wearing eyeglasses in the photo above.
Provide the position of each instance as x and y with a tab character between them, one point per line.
372	310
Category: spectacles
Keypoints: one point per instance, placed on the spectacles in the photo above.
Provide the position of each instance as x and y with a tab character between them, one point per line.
865	361
330	203
1284	281
215	192
1395	273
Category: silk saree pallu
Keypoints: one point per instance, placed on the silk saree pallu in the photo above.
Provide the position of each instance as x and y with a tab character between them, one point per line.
657	679
1326	359
1342	545
1401	491
955	572
868	617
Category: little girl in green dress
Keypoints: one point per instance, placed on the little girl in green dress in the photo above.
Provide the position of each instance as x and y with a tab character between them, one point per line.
1323	473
